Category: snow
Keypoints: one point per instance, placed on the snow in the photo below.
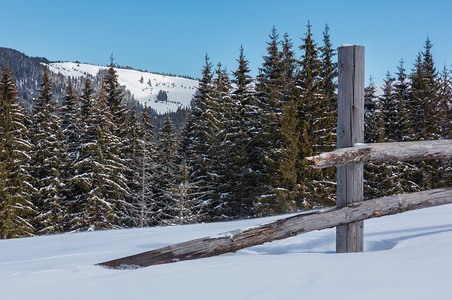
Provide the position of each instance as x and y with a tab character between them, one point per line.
407	256
180	90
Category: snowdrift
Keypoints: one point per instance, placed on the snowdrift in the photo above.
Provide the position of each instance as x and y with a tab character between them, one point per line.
406	256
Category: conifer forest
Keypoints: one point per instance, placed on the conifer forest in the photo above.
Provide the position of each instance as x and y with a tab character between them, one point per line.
88	161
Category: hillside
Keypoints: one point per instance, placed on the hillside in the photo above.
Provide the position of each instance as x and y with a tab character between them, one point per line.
176	92
143	86
406	256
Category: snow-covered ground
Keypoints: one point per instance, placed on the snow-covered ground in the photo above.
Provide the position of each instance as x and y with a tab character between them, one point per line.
143	86
407	256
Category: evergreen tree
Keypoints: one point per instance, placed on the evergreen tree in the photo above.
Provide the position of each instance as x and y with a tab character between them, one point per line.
134	137
202	135
100	172
433	116
314	189
200	127
287	192
402	130
328	73
445	103
227	169
83	164
372	114
243	131
71	123
49	161
390	111
424	102
426	116
166	171
86	100
415	105
70	120
114	96
389	181
16	207
269	91
276	94
185	206
124	132
145	160
444	175
445	96
373	133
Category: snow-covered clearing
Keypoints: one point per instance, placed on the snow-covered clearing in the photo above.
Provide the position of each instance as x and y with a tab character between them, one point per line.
407	256
144	86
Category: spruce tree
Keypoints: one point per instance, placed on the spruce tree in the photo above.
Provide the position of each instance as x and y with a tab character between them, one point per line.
71	123
402	131
70	120
83	164
445	103
227	167
390	111
445	112
269	91
100	172
433	116
276	94
243	134
315	191
49	161
185	206
328	73
114	97
373	133
202	133
16	207
372	113
145	160
134	137
124	132
287	192
200	127
86	100
415	104
426	116
166	170
389	180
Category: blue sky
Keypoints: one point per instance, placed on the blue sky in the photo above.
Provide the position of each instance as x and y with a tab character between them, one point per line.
173	36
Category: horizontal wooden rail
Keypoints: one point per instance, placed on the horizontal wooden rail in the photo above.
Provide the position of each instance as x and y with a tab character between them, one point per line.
380	152
284	228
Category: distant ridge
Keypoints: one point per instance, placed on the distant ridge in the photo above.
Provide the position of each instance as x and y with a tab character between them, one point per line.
175	92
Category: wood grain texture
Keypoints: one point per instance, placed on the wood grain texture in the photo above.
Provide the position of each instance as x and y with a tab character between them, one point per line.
284	228
350	130
382	152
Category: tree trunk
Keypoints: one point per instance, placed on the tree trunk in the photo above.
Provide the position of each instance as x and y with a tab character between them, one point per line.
381	152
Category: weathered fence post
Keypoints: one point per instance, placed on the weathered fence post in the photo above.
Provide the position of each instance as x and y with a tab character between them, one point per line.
350	130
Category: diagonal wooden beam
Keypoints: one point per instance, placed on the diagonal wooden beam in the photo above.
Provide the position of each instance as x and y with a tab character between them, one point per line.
284	228
380	152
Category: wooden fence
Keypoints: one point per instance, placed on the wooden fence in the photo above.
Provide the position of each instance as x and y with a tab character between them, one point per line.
351	211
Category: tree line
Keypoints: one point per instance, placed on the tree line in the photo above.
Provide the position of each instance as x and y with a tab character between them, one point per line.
413	106
93	162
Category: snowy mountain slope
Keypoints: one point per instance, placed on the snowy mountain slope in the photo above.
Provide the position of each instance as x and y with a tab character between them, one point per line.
143	86
406	256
